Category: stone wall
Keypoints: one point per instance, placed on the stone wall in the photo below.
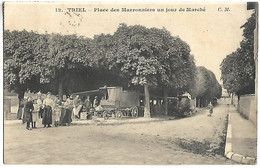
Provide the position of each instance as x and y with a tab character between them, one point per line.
247	107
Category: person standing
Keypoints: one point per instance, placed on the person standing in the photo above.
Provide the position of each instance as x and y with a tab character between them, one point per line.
35	116
27	115
21	108
95	102
68	107
87	104
77	103
40	105
57	111
48	104
210	107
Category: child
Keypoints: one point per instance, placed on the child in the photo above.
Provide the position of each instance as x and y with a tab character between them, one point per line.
57	112
36	109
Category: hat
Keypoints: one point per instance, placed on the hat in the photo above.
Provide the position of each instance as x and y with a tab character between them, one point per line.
48	93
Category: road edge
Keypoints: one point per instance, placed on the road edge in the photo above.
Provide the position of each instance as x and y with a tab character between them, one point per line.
228	148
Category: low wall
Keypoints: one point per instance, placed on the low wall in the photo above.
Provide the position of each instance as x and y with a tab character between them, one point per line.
8	115
247	107
10	108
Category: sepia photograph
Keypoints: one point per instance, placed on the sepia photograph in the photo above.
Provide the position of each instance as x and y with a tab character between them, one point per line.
130	83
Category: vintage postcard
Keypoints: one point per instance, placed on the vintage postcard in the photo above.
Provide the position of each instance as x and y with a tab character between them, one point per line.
130	83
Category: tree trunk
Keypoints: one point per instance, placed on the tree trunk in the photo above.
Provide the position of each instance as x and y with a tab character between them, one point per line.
146	102
20	105
165	94
60	89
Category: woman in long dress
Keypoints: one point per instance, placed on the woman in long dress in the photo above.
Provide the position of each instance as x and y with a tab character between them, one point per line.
48	104
66	119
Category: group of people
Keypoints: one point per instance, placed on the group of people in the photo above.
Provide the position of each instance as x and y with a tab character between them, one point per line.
53	111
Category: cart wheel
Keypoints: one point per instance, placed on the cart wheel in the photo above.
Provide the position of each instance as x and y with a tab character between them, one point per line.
89	116
134	112
105	115
119	114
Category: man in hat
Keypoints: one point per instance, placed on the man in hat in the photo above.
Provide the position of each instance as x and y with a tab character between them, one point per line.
48	104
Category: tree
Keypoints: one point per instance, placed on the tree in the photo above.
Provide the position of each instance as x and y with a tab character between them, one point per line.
206	86
33	61
179	66
134	53
238	68
63	57
20	69
152	58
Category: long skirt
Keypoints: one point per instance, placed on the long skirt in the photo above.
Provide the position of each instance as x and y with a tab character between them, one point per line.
47	115
27	115
34	116
65	116
56	114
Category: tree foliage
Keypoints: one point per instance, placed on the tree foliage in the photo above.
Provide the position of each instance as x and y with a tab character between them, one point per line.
206	86
238	68
151	57
133	55
20	68
31	60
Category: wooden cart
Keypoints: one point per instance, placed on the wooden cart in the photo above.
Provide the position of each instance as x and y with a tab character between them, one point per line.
113	101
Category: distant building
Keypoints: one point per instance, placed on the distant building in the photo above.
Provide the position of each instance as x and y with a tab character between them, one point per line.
225	93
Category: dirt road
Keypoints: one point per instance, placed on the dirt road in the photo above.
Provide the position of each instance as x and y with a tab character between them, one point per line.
193	140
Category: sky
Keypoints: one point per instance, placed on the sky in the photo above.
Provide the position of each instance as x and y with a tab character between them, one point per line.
211	34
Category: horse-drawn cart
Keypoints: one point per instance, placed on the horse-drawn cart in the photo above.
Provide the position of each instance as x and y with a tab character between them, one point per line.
113	102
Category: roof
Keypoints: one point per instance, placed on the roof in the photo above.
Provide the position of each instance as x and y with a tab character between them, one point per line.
87	93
